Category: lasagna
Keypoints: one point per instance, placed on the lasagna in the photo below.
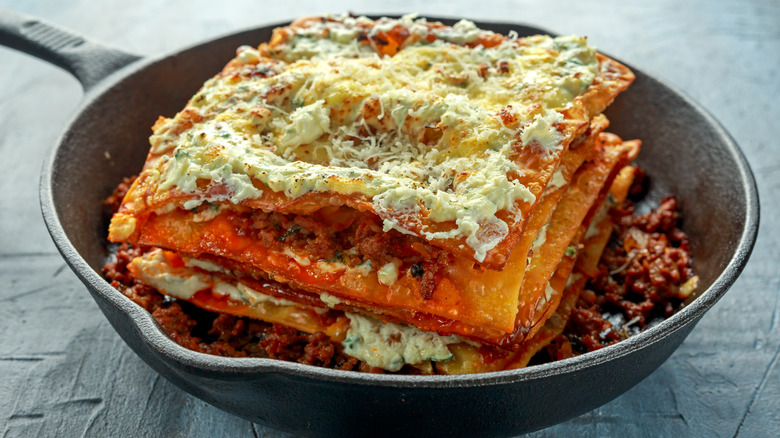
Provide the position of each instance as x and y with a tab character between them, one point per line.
426	196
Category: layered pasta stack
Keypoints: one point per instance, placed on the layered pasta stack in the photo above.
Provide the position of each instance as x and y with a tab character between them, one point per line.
430	197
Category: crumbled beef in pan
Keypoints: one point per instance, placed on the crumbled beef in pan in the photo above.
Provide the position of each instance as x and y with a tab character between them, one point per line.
644	276
113	202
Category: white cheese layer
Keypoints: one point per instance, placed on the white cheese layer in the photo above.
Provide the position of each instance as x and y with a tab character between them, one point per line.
389	346
154	270
418	133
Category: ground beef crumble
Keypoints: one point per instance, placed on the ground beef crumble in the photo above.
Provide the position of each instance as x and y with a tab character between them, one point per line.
344	235
113	202
644	276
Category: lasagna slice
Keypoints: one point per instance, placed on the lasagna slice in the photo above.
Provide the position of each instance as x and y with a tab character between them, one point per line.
427	176
388	345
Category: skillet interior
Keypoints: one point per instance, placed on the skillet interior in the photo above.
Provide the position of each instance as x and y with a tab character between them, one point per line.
685	152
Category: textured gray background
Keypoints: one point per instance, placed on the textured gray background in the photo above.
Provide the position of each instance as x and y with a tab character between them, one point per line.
64	372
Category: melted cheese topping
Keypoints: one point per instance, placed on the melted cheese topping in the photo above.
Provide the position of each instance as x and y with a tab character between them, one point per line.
418	133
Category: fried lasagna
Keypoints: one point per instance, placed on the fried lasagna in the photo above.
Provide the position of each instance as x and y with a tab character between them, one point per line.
427	196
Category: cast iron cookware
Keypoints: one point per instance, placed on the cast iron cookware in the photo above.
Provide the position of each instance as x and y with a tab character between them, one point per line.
686	152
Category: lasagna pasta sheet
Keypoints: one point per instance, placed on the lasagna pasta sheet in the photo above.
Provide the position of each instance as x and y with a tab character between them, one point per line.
437	178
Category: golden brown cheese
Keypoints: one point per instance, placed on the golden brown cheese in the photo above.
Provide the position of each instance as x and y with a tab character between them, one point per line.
452	138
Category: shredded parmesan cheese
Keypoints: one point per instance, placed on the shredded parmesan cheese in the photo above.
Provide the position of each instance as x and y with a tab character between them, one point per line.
417	133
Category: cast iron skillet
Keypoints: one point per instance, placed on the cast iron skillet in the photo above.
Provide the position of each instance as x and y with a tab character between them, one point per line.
686	152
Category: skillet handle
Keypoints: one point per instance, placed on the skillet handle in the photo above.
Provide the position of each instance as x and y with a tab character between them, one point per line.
85	59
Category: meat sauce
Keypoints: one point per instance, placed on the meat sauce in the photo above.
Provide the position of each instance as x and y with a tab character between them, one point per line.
341	234
644	276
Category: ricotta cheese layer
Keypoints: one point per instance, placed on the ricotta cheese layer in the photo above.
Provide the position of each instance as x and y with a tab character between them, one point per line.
389	346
